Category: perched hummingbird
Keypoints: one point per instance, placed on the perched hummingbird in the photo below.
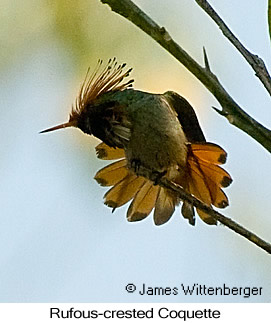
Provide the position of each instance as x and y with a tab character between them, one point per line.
157	132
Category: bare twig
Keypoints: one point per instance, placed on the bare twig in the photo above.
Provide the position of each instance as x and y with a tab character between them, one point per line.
230	109
185	196
216	215
254	60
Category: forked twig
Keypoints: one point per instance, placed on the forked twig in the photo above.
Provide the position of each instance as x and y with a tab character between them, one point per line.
254	60
230	109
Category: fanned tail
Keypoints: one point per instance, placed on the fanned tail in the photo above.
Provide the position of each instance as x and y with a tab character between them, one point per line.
127	186
125	183
205	178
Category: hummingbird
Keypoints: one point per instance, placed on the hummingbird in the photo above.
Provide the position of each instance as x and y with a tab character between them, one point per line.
143	131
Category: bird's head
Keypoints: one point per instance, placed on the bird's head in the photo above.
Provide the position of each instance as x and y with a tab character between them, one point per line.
101	81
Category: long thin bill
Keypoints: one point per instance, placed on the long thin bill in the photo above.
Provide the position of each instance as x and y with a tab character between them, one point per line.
63	125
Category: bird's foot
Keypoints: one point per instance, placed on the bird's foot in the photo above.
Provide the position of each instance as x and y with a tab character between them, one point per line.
156	176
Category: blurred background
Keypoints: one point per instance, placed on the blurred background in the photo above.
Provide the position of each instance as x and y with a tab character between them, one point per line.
58	242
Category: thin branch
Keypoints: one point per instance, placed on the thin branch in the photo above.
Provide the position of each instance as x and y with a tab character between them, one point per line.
254	60
230	109
216	215
184	196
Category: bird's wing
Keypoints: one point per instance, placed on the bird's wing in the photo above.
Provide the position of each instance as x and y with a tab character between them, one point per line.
186	116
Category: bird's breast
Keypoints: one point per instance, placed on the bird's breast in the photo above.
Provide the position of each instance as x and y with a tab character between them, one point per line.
157	139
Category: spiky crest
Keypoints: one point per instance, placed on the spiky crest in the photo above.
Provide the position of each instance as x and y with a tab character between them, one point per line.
101	81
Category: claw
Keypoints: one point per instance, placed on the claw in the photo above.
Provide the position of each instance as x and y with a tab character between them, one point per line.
156	176
135	165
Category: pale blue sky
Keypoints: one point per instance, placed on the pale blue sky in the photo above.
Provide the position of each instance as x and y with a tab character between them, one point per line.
58	242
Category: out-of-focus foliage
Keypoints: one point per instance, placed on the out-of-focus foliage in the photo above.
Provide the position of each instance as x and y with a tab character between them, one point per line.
74	25
22	25
28	24
71	25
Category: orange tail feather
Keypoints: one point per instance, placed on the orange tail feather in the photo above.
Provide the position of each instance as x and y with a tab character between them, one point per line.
112	174
205	178
108	153
124	190
143	202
